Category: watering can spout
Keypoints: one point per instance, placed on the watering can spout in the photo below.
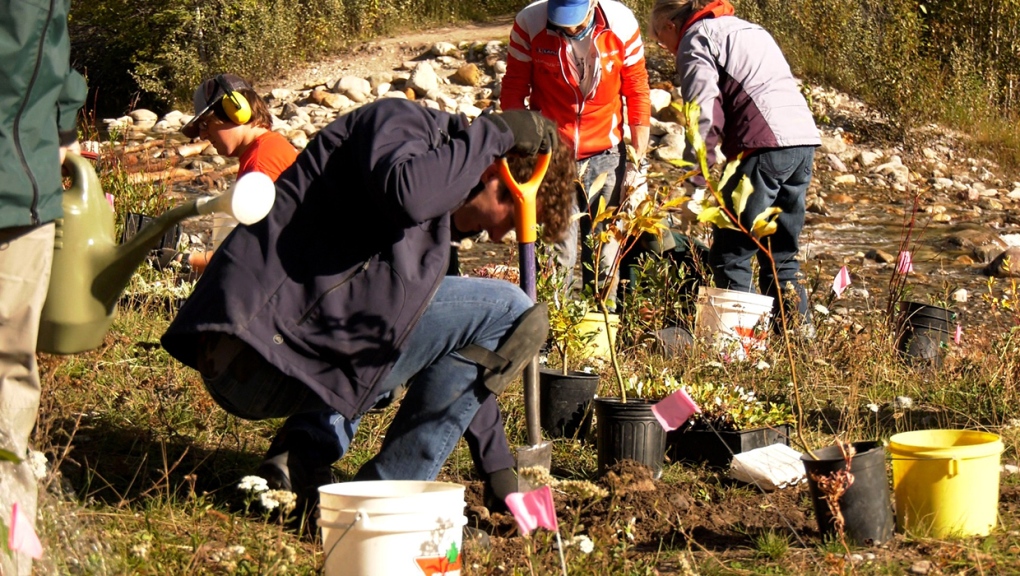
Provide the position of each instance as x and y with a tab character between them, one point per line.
90	271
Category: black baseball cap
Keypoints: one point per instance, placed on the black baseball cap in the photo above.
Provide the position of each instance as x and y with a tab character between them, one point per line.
208	94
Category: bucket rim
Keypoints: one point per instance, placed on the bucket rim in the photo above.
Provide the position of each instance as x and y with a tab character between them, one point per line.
362	488
863	448
901	448
711	292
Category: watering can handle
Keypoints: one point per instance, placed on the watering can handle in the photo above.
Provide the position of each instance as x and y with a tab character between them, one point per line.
525	194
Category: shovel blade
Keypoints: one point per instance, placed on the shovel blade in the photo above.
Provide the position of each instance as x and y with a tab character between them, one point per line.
539	455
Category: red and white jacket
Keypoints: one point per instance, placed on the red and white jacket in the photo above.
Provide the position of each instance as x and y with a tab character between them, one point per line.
539	66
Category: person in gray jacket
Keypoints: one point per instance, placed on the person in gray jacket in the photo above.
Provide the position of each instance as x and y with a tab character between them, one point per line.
751	104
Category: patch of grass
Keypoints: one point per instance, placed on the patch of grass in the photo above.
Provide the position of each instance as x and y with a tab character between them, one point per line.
771	544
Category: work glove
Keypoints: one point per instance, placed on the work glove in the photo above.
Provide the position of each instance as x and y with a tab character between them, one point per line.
533	133
635	185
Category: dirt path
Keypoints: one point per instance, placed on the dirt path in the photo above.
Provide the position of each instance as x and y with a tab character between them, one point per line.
387	54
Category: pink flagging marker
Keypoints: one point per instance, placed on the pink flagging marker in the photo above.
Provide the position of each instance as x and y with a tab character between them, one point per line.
673	410
841	281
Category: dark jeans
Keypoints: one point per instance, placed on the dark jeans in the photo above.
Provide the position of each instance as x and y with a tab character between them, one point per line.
444	400
780	177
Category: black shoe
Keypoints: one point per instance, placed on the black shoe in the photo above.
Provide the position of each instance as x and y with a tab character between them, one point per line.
290	471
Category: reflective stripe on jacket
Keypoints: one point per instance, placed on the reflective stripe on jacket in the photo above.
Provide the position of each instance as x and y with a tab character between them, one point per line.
539	66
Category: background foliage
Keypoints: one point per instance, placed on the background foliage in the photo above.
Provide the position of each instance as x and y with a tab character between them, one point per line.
952	61
154	53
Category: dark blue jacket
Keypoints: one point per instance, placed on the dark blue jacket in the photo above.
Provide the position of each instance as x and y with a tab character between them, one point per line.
328	287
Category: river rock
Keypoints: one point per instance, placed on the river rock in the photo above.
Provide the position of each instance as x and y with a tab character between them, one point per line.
867	158
443	49
836	163
395	94
281	94
378	78
845	179
1005	265
832	144
468	75
659	99
660	128
880	256
352	84
990	204
423	79
671	147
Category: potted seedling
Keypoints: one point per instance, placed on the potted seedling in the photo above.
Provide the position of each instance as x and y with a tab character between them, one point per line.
566	391
627	429
847	481
732	420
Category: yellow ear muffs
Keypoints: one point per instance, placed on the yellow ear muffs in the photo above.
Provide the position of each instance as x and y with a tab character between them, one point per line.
235	105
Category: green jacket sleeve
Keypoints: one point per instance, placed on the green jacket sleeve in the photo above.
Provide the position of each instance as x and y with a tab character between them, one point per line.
70	101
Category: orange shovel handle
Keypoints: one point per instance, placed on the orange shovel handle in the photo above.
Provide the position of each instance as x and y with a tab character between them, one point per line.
525	194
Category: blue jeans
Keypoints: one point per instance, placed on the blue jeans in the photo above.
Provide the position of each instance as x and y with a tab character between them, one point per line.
612	163
780	177
442	399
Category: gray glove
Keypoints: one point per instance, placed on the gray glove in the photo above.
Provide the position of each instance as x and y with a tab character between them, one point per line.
533	133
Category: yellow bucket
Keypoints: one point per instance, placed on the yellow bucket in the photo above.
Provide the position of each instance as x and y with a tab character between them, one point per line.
946	481
595	323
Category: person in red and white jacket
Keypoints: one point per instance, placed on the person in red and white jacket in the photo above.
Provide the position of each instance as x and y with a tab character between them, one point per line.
581	63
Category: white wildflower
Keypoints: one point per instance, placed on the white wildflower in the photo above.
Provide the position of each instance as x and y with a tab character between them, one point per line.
873	407
583	543
37	462
588	370
285	498
762	365
253	484
268	501
140	551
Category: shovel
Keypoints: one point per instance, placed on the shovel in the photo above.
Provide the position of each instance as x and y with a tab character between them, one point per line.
537	452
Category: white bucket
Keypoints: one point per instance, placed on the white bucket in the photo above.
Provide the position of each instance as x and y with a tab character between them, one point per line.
736	322
392	527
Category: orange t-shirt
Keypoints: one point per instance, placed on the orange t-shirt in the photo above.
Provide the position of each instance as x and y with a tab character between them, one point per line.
270	154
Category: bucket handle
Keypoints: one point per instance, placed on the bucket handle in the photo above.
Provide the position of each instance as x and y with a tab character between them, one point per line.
359	516
954	462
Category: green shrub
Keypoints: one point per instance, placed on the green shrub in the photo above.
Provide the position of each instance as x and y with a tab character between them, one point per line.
956	62
154	54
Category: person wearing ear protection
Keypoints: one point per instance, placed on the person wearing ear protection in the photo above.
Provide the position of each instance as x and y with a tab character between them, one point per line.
581	63
238	123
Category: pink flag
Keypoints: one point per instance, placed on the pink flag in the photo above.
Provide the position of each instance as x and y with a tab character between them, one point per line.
959	334
904	265
841	281
673	410
109	198
533	509
22	537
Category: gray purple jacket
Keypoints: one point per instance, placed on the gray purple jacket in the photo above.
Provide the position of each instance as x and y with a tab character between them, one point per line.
749	98
329	285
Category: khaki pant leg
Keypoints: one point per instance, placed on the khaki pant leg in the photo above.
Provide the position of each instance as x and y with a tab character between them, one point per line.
25	258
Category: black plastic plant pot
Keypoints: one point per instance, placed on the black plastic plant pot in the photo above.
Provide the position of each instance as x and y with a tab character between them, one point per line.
628	431
925	331
866	506
717	450
565	402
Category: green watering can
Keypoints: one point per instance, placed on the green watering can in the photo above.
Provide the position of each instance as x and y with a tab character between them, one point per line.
90	270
